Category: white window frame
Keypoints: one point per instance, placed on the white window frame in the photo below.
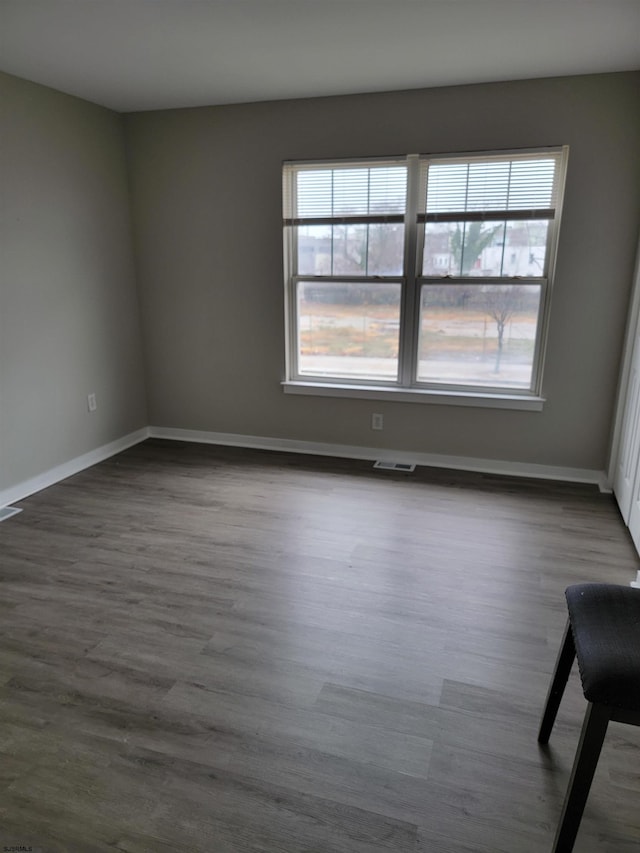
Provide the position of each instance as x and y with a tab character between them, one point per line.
407	387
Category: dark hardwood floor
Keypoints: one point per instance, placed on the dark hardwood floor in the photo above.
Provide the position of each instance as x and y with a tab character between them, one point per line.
214	650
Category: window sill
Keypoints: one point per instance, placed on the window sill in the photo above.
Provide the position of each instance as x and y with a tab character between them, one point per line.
520	402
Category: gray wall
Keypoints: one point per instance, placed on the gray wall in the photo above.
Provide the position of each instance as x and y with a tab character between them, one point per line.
207	209
69	315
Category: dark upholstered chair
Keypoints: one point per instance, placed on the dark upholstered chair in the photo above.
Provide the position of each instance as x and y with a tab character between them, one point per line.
603	632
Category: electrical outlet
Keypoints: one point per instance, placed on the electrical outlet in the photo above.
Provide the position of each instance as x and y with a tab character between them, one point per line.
92	404
377	421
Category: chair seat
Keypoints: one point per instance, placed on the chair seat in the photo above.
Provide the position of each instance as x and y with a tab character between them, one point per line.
605	623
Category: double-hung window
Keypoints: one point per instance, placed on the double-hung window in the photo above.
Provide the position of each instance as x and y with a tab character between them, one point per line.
422	274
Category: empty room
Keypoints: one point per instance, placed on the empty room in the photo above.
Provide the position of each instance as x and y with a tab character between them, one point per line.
319	426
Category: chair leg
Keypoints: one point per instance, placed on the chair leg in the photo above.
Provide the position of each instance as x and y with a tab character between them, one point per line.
564	663
594	729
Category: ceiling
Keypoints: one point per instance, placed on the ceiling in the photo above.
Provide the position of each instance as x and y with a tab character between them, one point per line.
156	54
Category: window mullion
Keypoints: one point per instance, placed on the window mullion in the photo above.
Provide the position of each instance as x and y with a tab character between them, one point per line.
409	308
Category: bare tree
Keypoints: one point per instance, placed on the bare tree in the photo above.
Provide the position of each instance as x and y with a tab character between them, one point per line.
500	301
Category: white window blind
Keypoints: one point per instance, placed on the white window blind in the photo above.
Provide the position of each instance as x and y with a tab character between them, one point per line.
514	187
334	194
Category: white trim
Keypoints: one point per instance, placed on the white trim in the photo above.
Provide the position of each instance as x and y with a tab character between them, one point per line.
633	318
604	484
22	490
48	478
523	402
418	168
432	460
8	512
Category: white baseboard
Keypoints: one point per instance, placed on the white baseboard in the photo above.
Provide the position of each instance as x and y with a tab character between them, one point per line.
314	448
73	466
432	460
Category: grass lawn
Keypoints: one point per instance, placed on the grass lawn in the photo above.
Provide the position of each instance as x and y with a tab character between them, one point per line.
446	333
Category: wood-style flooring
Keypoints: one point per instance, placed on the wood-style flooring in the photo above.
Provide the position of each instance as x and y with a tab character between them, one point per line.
215	650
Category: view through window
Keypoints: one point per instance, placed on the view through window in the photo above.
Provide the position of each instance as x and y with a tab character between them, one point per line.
421	272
